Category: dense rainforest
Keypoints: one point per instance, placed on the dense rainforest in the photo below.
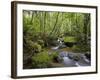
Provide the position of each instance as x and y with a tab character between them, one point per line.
50	36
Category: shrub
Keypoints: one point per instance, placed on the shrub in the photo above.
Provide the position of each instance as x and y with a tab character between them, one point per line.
41	60
54	56
76	48
41	42
81	48
36	47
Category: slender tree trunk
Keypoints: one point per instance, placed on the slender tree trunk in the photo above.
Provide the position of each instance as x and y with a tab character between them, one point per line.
86	22
40	23
44	22
32	17
54	25
58	29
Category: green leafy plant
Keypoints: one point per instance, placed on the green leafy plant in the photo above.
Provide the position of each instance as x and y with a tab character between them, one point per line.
41	60
41	42
54	56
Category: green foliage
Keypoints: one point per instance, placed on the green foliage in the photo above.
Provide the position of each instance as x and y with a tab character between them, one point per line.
69	39
36	47
76	48
54	56
44	60
41	60
41	42
81	48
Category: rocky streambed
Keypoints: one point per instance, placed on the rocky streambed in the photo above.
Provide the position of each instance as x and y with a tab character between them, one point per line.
72	59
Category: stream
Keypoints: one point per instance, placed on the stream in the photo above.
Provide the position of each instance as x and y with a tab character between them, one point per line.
69	59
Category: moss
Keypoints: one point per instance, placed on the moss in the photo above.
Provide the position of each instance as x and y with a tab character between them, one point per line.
69	39
41	60
81	48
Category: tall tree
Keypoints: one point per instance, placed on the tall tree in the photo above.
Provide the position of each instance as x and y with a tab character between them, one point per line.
54	24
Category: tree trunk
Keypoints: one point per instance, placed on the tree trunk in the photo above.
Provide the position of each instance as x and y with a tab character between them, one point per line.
54	25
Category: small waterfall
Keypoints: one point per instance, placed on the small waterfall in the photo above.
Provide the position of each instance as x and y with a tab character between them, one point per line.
55	48
59	45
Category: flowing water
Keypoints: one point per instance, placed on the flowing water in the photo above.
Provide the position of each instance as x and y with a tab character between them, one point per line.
68	58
